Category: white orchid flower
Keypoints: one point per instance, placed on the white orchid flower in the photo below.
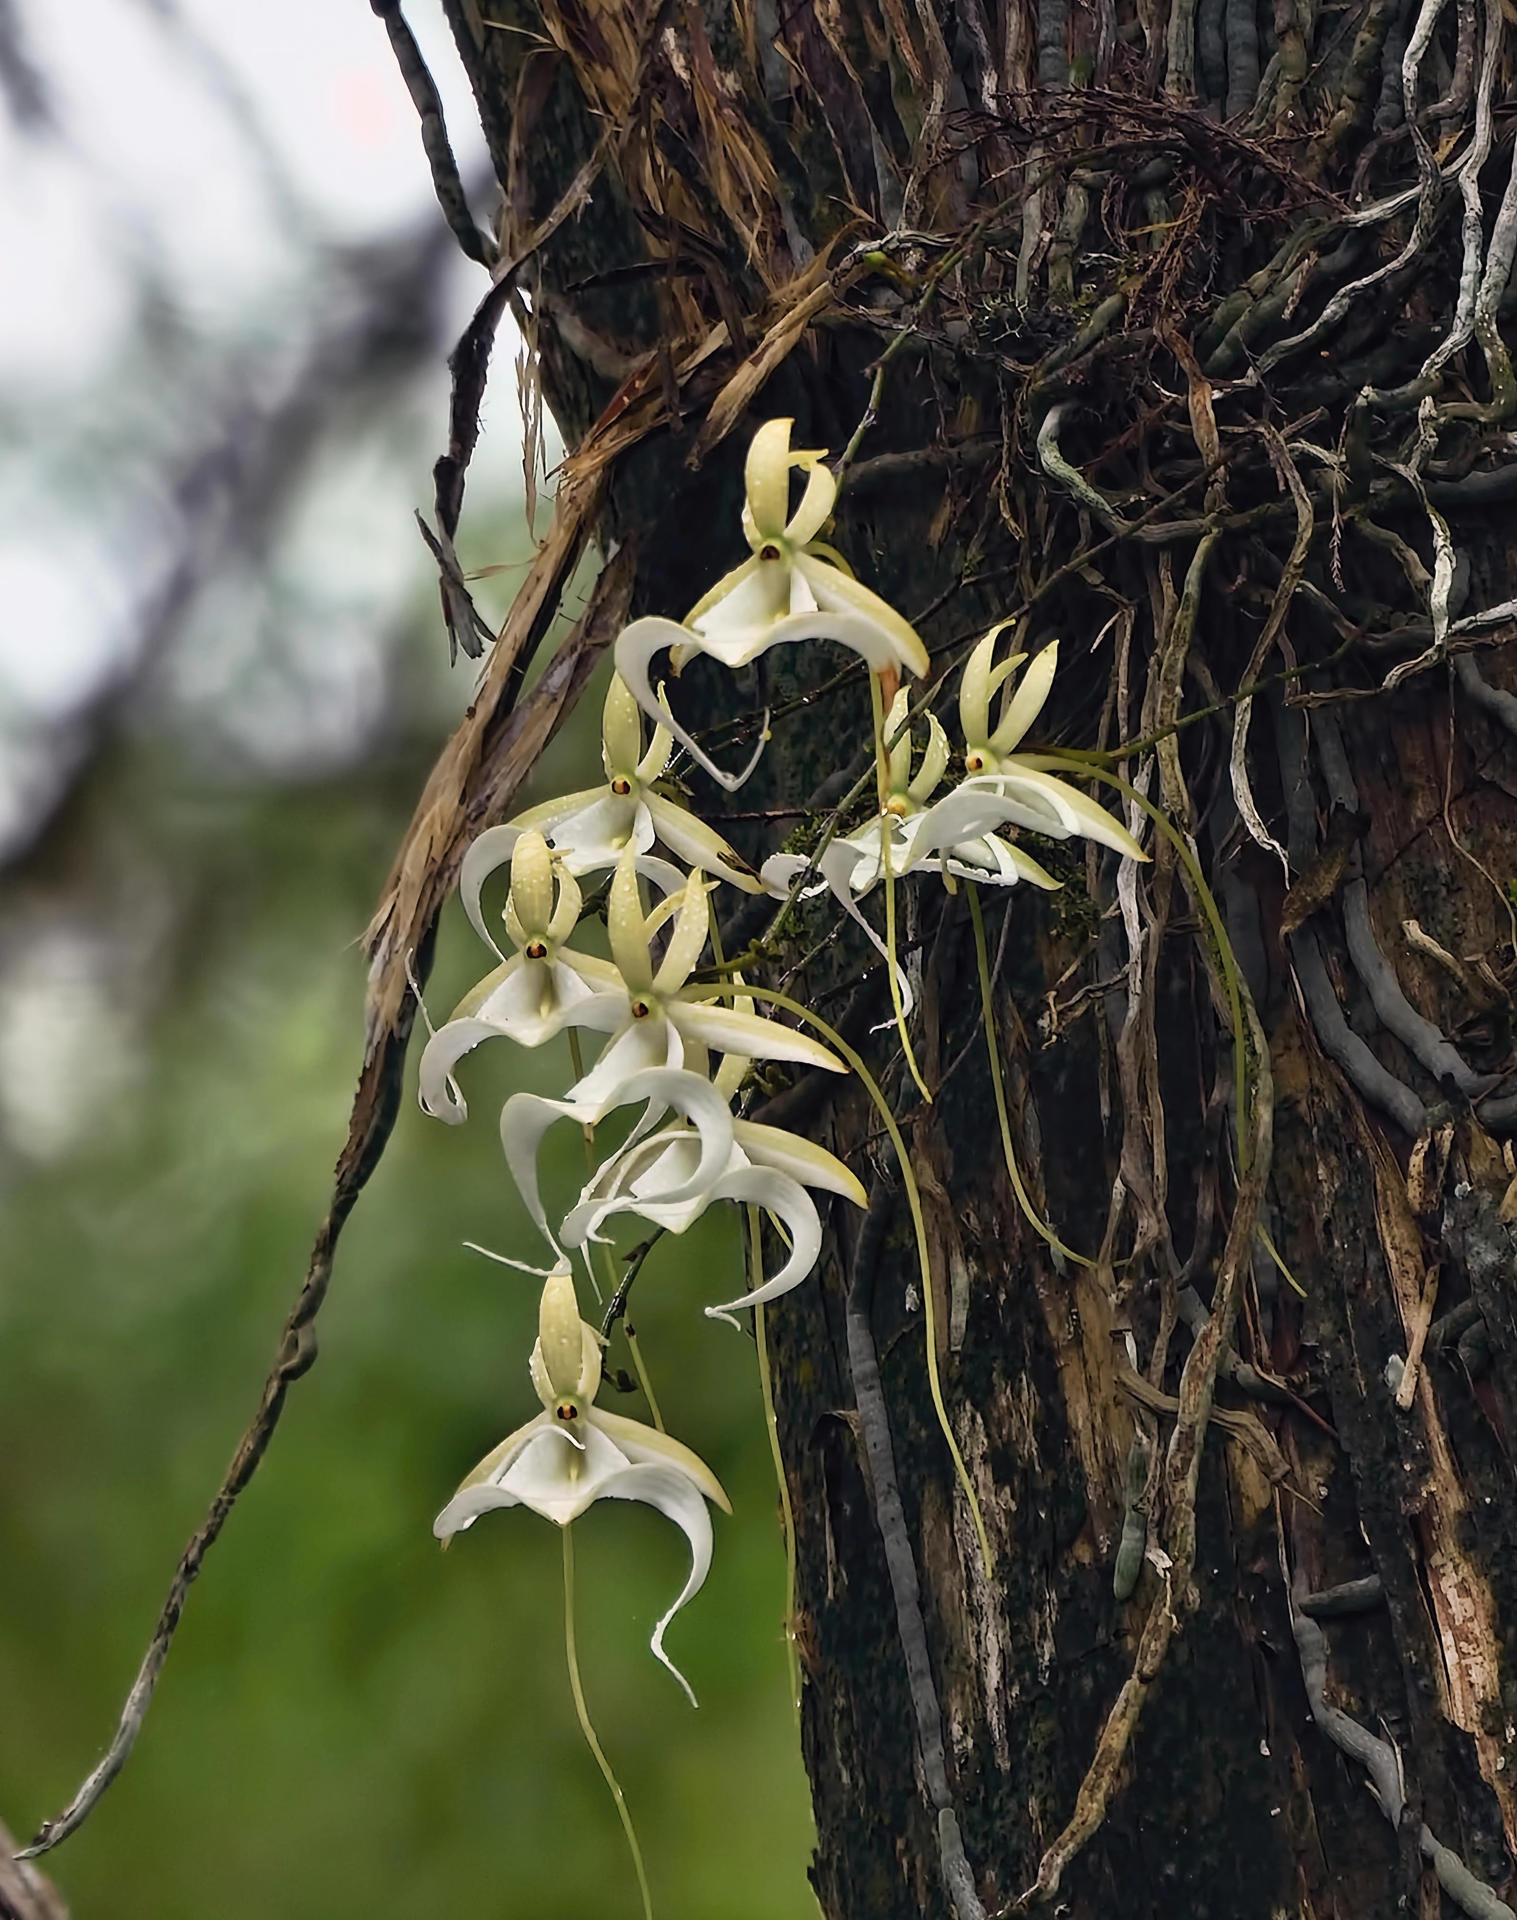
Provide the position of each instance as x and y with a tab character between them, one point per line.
787	592
590	830
574	1454
1040	801
530	996
650	1021
957	836
658	1179
526	1118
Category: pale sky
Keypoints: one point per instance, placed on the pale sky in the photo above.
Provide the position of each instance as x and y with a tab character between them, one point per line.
209	151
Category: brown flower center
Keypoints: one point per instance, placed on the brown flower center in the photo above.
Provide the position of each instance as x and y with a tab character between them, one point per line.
621	786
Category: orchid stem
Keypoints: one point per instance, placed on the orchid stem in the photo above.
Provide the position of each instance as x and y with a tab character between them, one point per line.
787	1515
988	1021
604	1255
919	1223
877	701
577	1060
589	1731
642	1375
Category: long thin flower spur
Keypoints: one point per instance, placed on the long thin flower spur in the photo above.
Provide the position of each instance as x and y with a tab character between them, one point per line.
574	1453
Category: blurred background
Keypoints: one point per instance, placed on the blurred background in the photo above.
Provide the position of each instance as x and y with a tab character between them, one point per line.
223	676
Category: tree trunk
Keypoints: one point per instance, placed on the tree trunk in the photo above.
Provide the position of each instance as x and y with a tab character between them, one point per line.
1061	262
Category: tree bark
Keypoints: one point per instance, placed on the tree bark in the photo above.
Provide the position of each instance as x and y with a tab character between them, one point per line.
1046	296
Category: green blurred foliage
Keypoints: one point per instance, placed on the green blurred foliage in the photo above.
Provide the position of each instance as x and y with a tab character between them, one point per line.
351	1723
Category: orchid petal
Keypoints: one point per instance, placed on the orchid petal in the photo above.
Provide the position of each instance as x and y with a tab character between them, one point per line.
558	1331
663	874
588	1379
1027	702
434	1087
1025	802
779	872
702	1106
839	593
635	648
673	1494
629	1077
666	1179
626	924
975	687
656	759
621	731
934	762
599	834
973	809
492	849
480	992
725	1030
557	1477
646	1446
638	1183
599	975
1087	817
699	845
459	1513
567	909
531	894
714	596
760	595
688	940
816	505
524	1119
638	1047
766	477
802	1159
788	1201
837	866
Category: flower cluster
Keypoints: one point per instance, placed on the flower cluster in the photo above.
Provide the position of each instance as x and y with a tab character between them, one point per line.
674	1047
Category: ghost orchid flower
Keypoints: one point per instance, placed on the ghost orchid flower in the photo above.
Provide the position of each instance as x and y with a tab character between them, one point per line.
788	591
591	829
574	1454
657	1179
529	997
526	1118
1040	801
956	836
650	1020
